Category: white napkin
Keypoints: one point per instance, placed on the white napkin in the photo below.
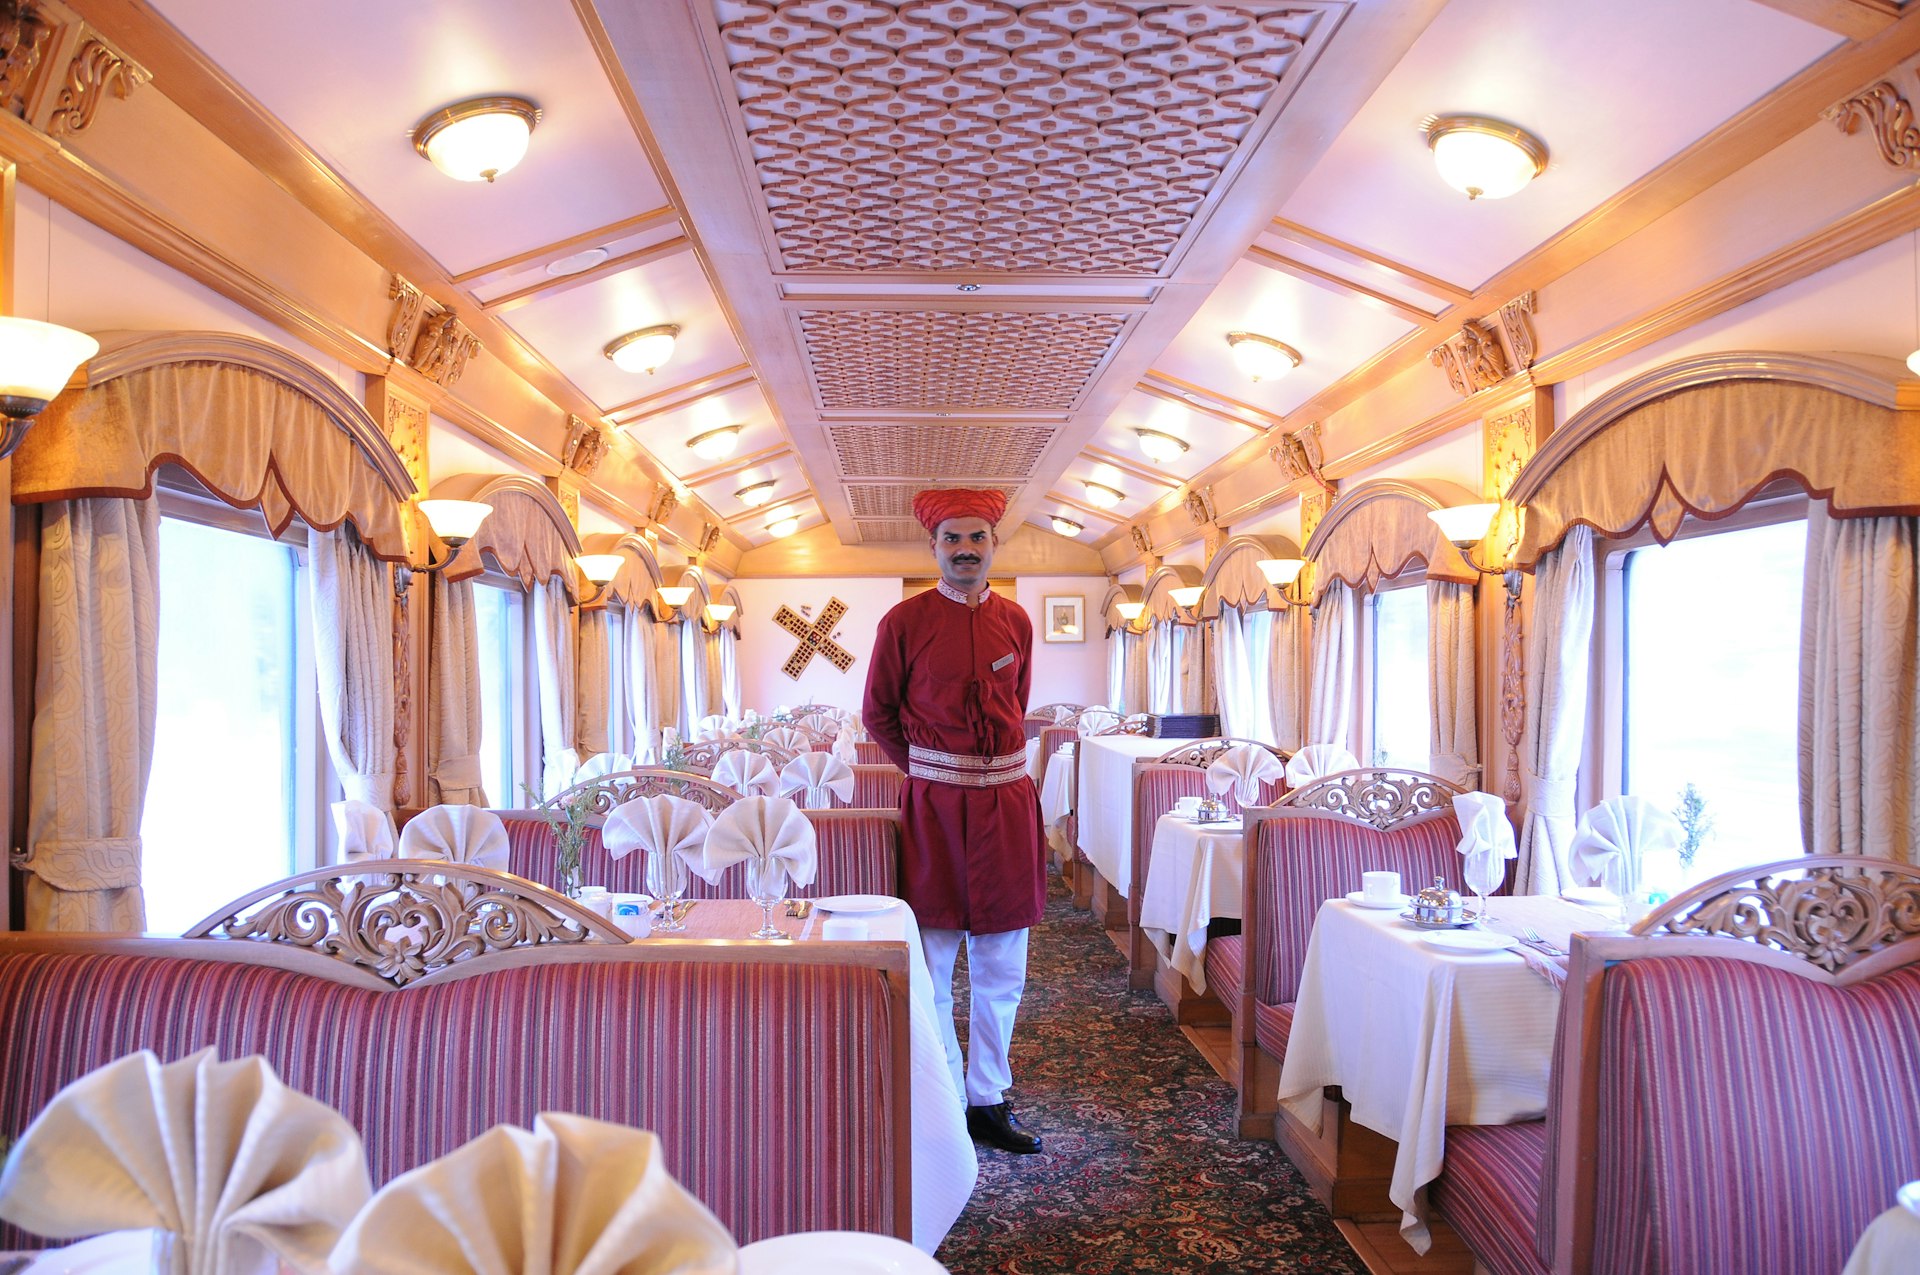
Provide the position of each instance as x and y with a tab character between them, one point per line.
816	775
714	726
787	739
365	831
844	746
1484	830
1613	840
1243	768
760	828
464	834
1316	760
658	825
819	723
1095	720
575	1196
223	1154
746	773
602	764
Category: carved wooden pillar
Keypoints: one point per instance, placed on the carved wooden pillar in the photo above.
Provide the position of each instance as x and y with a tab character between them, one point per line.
1511	431
405	420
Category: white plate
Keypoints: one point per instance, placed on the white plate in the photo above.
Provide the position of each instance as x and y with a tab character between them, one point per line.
1469	941
856	905
842	1252
1398	903
1591	896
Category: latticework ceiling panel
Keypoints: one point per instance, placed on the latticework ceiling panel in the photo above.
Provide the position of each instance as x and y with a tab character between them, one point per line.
893	500
898	360
1065	136
908	451
888	530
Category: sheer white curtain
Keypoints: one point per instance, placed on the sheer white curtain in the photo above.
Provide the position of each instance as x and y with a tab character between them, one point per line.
96	699
1196	669
593	683
1242	673
453	695
693	677
1117	640
731	702
1859	690
643	682
1336	664
1453	686
1287	677
1163	674
353	661
1559	655
1136	694
554	643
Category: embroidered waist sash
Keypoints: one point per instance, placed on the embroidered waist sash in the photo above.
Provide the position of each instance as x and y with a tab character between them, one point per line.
965	771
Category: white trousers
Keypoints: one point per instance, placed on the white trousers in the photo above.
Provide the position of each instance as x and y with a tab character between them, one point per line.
997	975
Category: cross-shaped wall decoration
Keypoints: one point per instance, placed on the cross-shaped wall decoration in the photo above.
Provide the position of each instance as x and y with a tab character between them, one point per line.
815	639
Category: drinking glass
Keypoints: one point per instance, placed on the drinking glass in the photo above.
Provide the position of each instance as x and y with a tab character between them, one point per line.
1484	873
667	881
767	885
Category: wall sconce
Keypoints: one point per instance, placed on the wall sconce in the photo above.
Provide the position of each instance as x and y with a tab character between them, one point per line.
1283	574
1484	158
673	597
1262	357
453	523
1130	615
36	361
1188	599
599	569
644	350
478	139
1466	526
720	612
716	444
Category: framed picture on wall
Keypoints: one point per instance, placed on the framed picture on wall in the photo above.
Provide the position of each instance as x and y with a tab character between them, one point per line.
1063	618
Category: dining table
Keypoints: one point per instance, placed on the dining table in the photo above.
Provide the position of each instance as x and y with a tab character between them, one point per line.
1195	873
1891	1243
1420	1033
1103	800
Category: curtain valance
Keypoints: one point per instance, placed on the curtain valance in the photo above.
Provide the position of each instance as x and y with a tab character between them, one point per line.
256	425
527	535
1110	605
1233	577
1158	594
639	575
1703	435
1380	528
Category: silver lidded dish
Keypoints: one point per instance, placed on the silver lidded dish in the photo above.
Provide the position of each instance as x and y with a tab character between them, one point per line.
1437	906
1210	810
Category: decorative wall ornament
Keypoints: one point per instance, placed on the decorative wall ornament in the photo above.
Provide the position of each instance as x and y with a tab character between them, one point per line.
1508	442
709	537
958	359
1513	695
665	501
586	446
1140	538
95	69
1199	505
24	37
406	426
1300	457
1517	327
1313	507
1481	358
441	351
402	689
1887	116
1474	358
1447	359
568	494
1832	917
1382	798
816	638
403	317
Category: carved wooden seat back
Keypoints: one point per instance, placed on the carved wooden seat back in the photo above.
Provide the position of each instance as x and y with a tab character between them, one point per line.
1204	752
623	786
1055	712
704	755
1379	795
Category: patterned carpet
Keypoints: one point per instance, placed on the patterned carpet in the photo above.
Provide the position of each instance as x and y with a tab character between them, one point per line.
1140	1173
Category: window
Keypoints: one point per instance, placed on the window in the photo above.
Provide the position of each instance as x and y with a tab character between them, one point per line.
619	721
1397	678
238	765
500	617
1709	649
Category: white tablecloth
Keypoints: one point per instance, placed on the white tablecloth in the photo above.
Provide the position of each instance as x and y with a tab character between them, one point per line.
1418	1038
1194	874
1033	760
1105	801
1889	1246
1056	798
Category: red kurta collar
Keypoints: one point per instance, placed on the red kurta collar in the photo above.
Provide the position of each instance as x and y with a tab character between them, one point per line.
948	591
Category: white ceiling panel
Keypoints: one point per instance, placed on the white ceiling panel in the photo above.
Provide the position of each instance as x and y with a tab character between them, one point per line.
666	435
1208	438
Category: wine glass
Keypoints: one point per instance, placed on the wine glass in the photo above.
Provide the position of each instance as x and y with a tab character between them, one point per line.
667	881
1485	871
767	885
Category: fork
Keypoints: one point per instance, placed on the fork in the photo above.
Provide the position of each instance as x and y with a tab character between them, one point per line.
1533	937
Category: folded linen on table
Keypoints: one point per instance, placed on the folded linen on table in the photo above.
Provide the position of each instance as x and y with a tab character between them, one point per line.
1243	768
365	831
462	834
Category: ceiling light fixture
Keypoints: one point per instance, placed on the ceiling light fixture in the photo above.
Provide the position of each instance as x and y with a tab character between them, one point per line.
754	495
1066	526
1101	496
478	139
716	444
781	528
969	287
644	350
1485	158
1161	447
1262	357
585	259
36	362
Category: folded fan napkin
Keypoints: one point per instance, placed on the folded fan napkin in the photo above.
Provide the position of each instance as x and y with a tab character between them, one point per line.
787	739
1614	838
746	773
1243	768
602	764
761	828
816	775
657	825
844	746
1095	720
1316	761
820	723
714	726
464	834
365	831
575	1196
244	1169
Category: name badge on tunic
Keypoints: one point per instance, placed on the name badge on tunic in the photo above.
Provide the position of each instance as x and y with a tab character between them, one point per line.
1002	662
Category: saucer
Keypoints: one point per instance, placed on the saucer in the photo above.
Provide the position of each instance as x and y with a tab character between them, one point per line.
857	904
1909	1197
1469	942
1398	901
1467	917
847	1252
1591	896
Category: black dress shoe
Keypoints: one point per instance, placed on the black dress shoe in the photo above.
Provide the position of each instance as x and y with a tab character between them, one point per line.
997	1126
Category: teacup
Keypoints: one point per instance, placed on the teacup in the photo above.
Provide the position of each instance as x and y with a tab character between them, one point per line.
1380	887
1187	807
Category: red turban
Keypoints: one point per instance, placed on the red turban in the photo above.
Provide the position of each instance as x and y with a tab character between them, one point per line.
934	507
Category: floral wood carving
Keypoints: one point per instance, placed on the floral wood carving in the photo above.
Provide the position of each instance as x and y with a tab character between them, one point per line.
1513	696
586	446
1509	443
403	316
1517	327
1831	918
24	36
95	69
704	755
1888	117
1382	798
1313	507
1140	539
407	432
1202	753
1199	506
1300	457
665	501
1474	358
1481	357
402	689
403	919
441	351
941	359
709	537
623	786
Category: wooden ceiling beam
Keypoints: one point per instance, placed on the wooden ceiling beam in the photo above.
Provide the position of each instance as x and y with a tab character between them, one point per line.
1083	507
567	282
574	243
1360	256
1855	19
672	400
1205	409
1128	467
1335	283
738	464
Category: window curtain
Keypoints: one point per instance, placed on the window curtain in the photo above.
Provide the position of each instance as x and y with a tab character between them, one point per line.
1241	673
1859	691
731	699
96	698
1559	653
1118	641
643	683
693	677
716	674
353	660
1137	676
593	684
555	640
1287	677
453	695
1452	683
1196	670
1163	675
1336	662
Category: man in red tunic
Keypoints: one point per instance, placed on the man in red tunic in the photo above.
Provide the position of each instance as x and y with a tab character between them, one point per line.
946	695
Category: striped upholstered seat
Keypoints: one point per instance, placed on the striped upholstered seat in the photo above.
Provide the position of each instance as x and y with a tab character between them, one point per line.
1490	1193
877	787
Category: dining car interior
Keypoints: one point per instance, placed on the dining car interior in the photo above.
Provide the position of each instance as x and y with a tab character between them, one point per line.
517	508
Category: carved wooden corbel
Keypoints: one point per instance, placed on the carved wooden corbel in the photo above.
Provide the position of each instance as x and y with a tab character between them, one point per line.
709	537
95	69
1300	456
586	446
1517	327
1888	118
441	351
404	317
1140	539
665	501
1199	507
25	35
1474	358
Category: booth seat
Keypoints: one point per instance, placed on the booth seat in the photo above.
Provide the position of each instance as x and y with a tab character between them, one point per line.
877	787
1718	1103
868	752
778	1085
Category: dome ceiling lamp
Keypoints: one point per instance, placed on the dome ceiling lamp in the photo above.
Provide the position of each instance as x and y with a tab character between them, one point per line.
784	526
1262	357
645	349
478	139
716	444
1485	158
1066	526
36	362
1161	447
1101	496
754	495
